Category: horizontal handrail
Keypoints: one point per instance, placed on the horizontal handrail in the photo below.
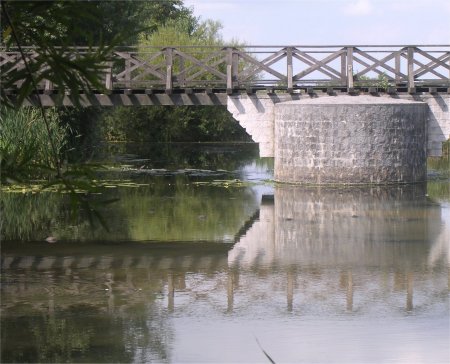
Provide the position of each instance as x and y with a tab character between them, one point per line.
239	67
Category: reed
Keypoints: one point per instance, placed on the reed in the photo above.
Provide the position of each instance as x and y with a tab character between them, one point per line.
25	144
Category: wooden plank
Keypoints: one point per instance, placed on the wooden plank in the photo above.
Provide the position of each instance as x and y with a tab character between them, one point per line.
194	76
201	64
146	71
318	65
315	67
426	70
289	69
169	65
376	63
21	64
410	68
127	71
206	60
235	66
350	83
397	68
136	63
7	59
108	77
343	67
331	58
433	59
229	70
181	75
48	88
261	65
140	72
430	67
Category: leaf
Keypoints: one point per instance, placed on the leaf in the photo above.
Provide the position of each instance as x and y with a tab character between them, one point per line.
7	32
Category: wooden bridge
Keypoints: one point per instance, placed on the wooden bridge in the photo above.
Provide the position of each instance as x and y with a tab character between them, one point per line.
199	75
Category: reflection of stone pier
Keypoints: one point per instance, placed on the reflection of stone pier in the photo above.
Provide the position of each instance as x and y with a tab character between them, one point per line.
341	227
308	232
315	249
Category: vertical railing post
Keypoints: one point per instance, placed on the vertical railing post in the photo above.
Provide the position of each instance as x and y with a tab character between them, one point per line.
127	71
48	88
350	84
229	60
411	85
397	67
181	75
108	76
19	59
344	67
169	70
290	71
448	53
235	67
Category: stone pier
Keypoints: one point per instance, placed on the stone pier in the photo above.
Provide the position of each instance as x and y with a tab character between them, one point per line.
349	140
346	139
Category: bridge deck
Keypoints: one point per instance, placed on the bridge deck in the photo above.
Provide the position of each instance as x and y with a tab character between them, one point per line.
199	97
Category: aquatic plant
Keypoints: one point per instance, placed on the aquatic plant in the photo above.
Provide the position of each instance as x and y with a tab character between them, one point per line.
25	148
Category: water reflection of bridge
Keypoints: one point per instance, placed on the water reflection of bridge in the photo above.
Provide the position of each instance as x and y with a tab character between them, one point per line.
318	248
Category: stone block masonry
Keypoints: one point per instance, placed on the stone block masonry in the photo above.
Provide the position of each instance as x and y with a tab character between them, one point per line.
350	140
256	114
438	120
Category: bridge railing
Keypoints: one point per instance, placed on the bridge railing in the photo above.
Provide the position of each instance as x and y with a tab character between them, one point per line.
279	67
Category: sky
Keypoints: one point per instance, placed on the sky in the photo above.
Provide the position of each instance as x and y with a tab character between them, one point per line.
329	22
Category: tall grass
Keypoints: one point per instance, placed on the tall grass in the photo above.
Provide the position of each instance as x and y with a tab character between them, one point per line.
25	144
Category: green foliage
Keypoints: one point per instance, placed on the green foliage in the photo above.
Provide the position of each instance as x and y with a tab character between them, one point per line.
439	190
52	28
28	216
171	124
177	124
186	212
381	81
192	37
155	14
183	32
25	148
84	131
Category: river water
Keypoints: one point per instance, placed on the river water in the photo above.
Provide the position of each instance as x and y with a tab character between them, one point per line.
206	260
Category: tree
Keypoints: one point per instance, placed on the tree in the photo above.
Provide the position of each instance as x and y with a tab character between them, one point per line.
48	26
177	124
